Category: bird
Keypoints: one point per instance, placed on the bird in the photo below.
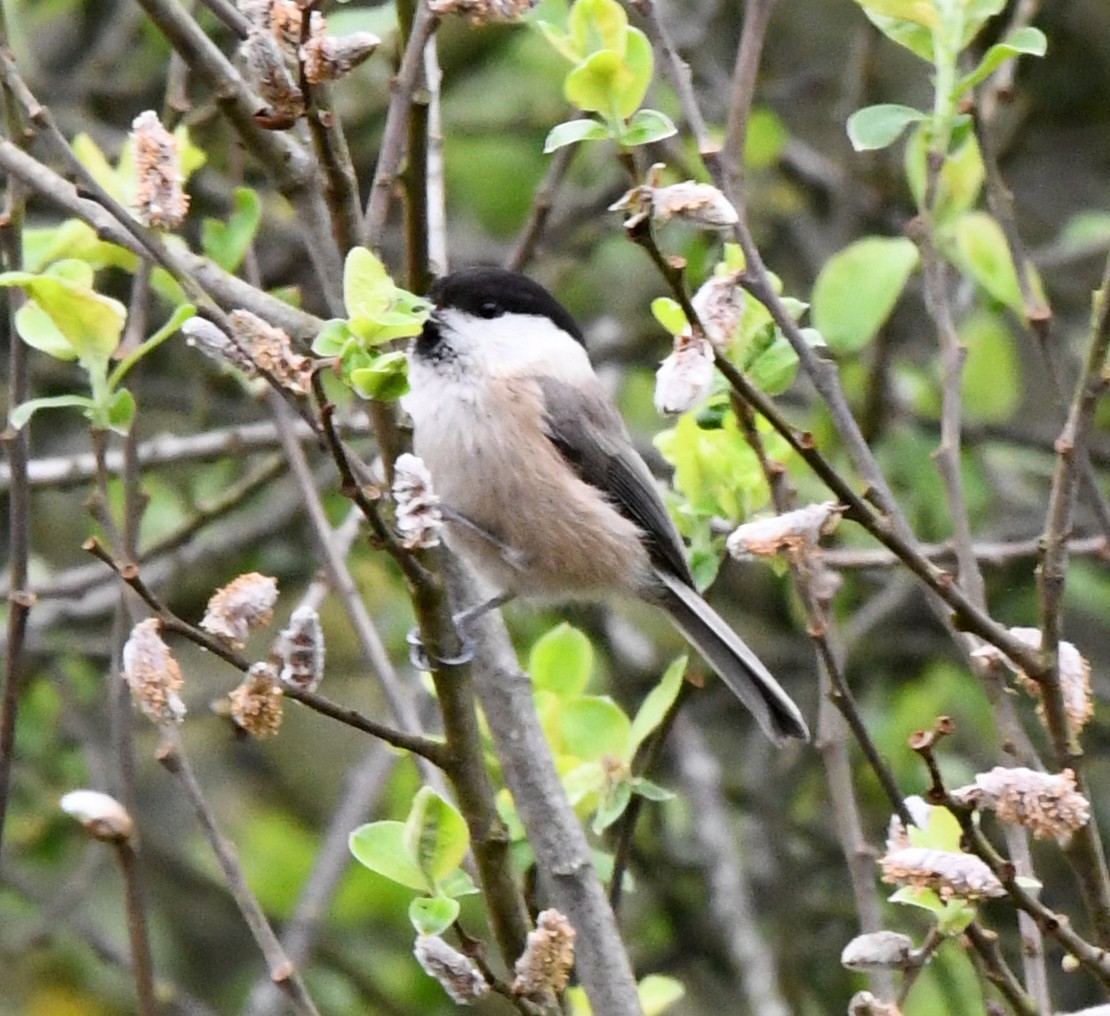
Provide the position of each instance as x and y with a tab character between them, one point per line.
542	491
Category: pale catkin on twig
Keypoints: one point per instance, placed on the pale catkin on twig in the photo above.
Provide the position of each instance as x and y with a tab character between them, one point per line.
1048	804
160	198
300	650
239	607
256	702
543	969
152	674
686	376
456	973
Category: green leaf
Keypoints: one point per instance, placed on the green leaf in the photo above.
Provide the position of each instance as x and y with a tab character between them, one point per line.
457	883
765	139
1027	41
912	896
771	361
991	382
857	289
90	323
875	127
919	12
19	416
37	329
594	84
72	239
941	832
669	314
561	41
982	252
915	37
572	131
435	835
332	339
598	24
960	180
367	287
652	791
583	781
380	846
121	411
90	155
955	917
656	704
433	915
594	727
646	126
385	379
613	805
638	64
658	993
561	662
227	243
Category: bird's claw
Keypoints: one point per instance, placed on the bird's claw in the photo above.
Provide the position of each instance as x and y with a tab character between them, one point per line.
418	655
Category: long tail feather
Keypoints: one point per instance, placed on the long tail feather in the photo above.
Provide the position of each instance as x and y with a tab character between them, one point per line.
736	664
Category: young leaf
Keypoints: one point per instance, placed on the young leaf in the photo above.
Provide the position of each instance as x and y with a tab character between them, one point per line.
37	329
572	131
90	155
561	42
380	846
915	37
613	805
875	127
385	379
941	832
646	126
983	253
561	662
656	704
227	243
436	836
638	63
913	896
91	323
457	883
594	84
595	726
652	791
658	993
332	339
991	379
669	314
920	12
433	915
858	288
121	411
598	24
19	416
771	361
1027	41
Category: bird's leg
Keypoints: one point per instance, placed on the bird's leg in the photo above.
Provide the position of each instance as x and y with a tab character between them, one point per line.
418	655
514	558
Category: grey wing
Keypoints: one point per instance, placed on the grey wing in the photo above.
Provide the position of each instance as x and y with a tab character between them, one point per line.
591	437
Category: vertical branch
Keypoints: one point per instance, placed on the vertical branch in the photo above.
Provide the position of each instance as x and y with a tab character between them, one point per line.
1085	851
282	971
757	15
16	446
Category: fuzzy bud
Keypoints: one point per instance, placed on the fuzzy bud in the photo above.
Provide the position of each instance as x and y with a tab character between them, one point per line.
328	57
243	604
267	70
686	376
719	303
419	519
160	198
699	203
864	1003
103	817
1075	677
271	350
797	532
947	872
544	967
256	702
301	650
152	674
879	950
286	17
483	12
1046	803
458	976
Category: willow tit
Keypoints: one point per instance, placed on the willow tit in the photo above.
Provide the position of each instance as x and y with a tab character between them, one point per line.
543	492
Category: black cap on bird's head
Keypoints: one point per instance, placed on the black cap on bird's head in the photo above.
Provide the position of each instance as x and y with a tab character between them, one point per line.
491	292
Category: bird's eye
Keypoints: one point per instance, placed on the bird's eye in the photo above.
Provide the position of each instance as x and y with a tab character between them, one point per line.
489	309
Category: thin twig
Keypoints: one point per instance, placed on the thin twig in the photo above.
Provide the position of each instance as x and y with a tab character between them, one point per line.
282	971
